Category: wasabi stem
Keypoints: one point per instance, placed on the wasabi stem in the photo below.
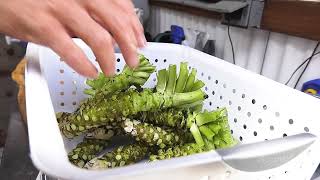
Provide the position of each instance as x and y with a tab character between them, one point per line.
86	151
207	117
128	77
197	85
182	79
177	151
208	123
154	136
190	80
170	88
162	77
105	132
121	156
197	135
206	132
109	110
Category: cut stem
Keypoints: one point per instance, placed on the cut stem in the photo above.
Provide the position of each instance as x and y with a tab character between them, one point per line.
188	98
162	80
214	127
197	85
207	132
196	135
190	80
183	75
207	117
172	79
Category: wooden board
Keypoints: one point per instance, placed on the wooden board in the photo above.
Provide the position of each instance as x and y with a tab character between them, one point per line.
295	17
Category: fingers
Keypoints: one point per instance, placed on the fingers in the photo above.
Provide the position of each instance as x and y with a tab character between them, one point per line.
119	25
137	27
63	45
100	41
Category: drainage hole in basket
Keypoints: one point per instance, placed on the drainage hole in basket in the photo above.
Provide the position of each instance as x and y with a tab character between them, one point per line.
202	74
154	79
216	81
271	128
269	177
224	86
74	92
228	173
284	135
61	71
209	77
244	126
61	82
189	67
255	133
243	96
61	93
61	59
230	103
210	103
206	88
240	138
118	59
260	120
277	114
306	129
156	60
235	120
231	131
213	93
264	107
62	104
166	61
290	121
249	114
285	172
221	97
218	107
253	101
234	91
118	70
239	108
74	103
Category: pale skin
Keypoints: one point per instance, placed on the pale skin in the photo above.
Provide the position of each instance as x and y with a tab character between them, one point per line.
100	23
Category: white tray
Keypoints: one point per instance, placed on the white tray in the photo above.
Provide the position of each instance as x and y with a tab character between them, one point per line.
259	109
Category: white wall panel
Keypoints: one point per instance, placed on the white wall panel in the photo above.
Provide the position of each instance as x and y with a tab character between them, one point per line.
275	57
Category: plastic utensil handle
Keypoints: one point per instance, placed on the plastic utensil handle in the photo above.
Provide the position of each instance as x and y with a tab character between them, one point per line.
268	154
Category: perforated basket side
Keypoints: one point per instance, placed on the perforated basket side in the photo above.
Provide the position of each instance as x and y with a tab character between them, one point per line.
259	109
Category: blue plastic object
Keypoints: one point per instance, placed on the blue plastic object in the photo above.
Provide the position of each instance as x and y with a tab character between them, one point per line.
312	87
177	34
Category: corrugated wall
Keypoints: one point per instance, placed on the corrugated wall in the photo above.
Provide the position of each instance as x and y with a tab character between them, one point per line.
271	54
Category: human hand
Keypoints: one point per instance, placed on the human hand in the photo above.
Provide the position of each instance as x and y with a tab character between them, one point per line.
99	23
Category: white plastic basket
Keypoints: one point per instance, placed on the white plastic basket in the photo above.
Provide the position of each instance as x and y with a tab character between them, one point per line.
258	108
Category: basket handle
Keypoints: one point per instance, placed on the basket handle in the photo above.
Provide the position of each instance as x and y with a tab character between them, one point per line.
268	154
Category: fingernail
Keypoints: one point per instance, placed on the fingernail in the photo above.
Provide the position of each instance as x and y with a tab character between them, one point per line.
92	75
109	73
135	63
